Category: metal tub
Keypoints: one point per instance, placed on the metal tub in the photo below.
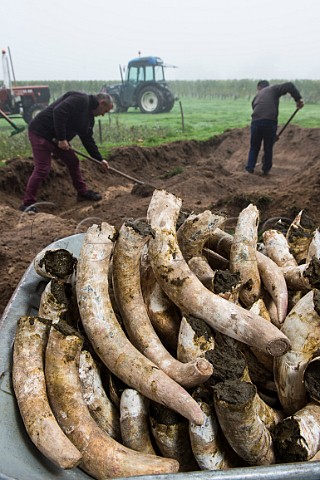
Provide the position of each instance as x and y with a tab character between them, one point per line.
20	459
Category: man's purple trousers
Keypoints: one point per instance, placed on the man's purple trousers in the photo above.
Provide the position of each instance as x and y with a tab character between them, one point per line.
42	156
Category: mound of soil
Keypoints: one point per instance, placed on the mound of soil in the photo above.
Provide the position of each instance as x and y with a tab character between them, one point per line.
206	175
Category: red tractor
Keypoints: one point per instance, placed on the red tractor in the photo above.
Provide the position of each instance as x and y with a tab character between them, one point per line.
27	101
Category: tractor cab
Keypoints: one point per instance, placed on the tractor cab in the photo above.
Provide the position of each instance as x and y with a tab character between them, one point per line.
145	69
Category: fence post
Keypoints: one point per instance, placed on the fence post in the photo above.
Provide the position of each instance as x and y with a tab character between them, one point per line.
100	131
182	116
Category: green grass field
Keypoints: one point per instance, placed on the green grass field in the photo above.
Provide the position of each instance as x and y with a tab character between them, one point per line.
201	120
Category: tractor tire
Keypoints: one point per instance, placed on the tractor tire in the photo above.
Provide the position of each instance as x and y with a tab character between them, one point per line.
168	102
150	100
32	112
117	107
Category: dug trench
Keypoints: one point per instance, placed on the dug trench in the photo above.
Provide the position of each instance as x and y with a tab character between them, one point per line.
205	175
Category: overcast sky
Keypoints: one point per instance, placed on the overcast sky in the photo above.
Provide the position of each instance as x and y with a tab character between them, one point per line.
205	39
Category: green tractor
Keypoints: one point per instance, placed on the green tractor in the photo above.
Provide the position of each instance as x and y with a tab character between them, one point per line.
144	87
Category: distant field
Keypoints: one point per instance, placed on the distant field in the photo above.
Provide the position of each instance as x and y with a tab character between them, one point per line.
202	119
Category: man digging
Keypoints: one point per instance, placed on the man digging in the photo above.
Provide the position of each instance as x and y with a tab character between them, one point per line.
50	133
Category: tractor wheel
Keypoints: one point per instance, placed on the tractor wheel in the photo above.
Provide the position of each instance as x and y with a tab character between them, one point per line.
169	100
150	100
32	112
168	103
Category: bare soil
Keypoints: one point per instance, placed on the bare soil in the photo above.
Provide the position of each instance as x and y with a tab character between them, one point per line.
212	177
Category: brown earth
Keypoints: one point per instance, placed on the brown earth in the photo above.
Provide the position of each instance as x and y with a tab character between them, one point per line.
212	177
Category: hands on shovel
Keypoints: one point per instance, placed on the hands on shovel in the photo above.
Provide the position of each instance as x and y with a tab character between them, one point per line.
300	104
105	165
65	145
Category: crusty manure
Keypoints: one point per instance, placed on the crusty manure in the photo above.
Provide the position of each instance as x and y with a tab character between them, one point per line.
59	263
235	392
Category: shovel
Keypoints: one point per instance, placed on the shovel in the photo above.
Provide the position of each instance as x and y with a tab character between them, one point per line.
286	124
110	168
16	128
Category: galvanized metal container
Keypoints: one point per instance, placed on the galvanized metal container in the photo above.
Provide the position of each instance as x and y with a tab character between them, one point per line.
21	460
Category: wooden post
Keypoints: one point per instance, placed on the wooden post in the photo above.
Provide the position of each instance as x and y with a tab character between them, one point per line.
100	131
182	116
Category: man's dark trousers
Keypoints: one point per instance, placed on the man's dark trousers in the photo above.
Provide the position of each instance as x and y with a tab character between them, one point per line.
266	131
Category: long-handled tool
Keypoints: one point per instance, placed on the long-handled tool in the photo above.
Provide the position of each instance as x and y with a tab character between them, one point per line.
16	128
287	123
281	131
110	168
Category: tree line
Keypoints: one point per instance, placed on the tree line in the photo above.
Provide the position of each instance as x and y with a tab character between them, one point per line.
245	88
309	89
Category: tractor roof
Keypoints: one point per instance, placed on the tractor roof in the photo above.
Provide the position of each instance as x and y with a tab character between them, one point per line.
145	61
